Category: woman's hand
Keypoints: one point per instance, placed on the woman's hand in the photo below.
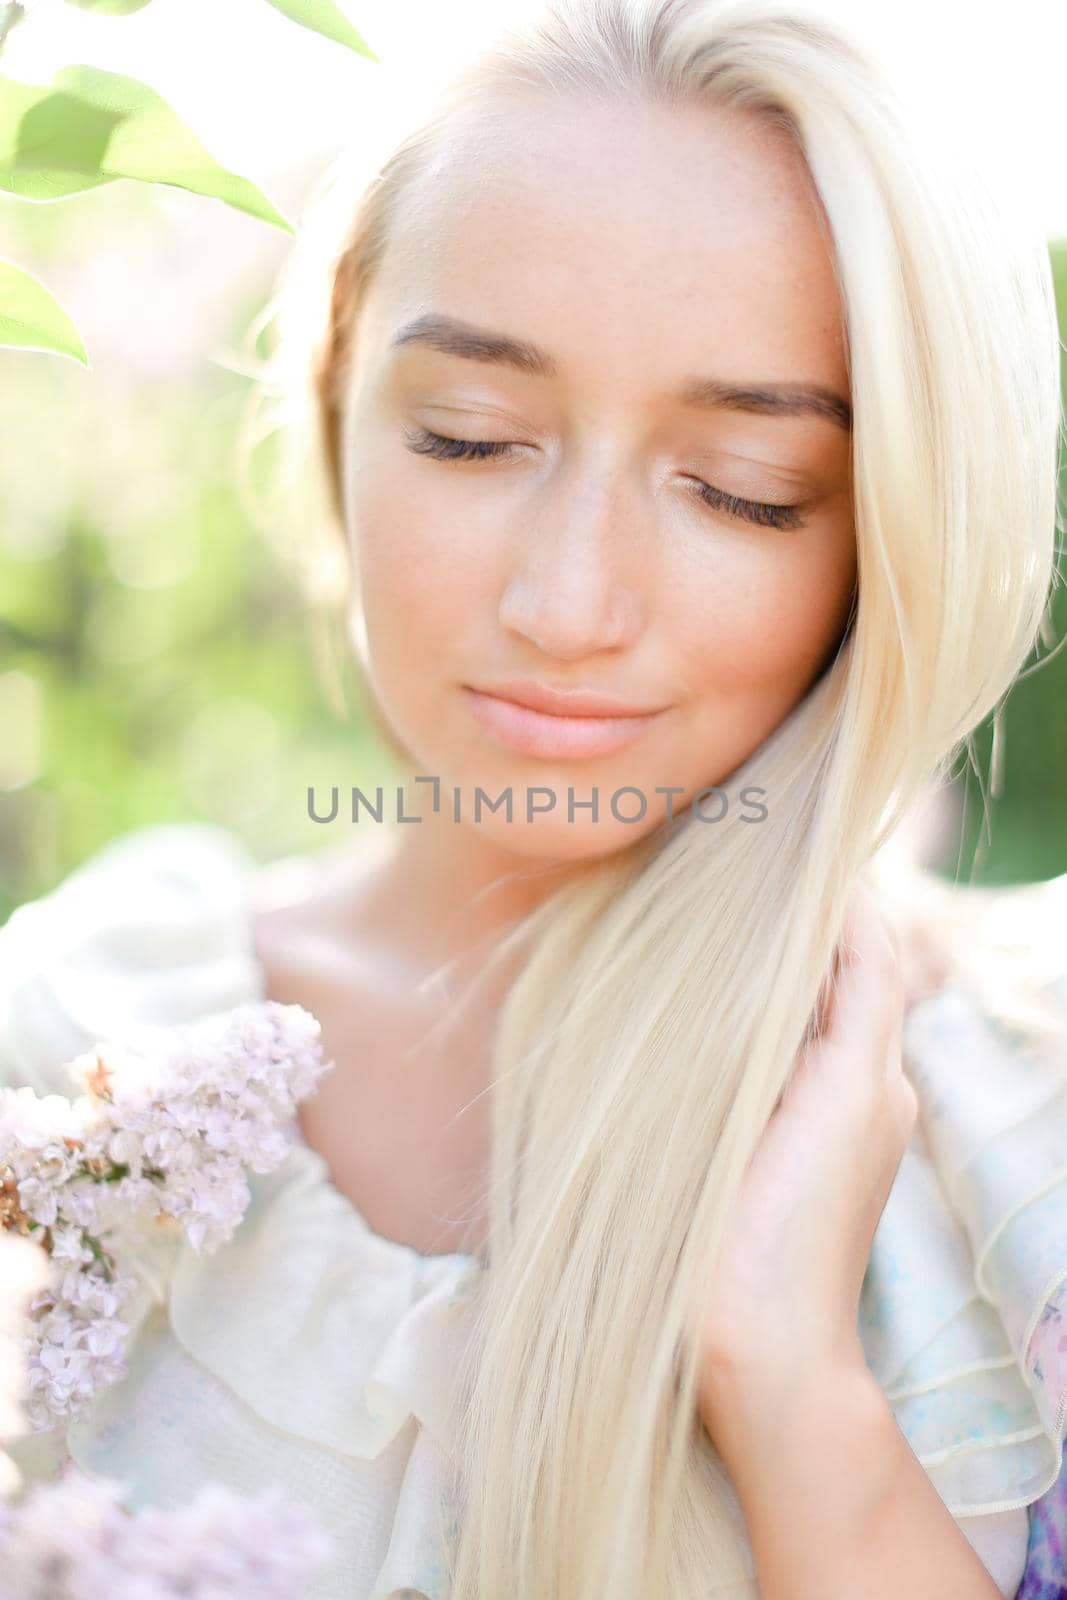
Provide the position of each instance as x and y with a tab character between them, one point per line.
835	1501
785	1299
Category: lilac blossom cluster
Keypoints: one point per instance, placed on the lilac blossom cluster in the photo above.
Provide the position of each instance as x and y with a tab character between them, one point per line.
156	1141
71	1539
23	1271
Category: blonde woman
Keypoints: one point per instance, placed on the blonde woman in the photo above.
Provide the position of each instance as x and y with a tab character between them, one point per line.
685	1214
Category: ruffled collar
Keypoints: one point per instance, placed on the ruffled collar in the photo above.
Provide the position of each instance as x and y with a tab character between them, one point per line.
306	1268
333	1334
329	1334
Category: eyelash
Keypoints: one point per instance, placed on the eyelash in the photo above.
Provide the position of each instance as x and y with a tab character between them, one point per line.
443	448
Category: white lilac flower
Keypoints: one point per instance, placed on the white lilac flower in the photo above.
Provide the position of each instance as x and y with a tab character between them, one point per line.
71	1540
23	1271
154	1142
75	1346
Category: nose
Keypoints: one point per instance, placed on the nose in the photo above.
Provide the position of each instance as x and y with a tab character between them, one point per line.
574	590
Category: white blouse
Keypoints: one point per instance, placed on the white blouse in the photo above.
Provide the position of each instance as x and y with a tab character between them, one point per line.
313	1353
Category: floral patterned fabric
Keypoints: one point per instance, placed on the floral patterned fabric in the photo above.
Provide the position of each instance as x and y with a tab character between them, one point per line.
1045	1577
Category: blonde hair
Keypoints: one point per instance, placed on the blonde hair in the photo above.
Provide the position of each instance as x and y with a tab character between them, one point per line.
649	1034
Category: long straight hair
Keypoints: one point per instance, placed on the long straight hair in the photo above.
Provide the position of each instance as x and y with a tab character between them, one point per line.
651	1030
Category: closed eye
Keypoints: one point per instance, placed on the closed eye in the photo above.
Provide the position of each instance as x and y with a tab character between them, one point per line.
766	514
441	447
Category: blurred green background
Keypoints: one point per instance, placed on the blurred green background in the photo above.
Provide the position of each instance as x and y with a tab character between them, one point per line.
159	659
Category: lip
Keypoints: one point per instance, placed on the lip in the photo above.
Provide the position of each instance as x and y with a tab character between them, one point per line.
563	702
583	732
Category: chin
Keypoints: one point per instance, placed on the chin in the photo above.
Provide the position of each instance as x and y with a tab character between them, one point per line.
551	838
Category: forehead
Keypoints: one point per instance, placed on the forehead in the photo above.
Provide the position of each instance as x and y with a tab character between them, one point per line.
625	237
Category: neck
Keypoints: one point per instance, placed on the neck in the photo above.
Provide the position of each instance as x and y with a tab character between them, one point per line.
457	889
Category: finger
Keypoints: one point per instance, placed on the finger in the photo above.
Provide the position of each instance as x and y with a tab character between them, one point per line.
865	925
865	1011
851	943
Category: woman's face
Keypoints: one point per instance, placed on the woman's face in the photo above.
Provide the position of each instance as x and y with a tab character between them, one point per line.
637	304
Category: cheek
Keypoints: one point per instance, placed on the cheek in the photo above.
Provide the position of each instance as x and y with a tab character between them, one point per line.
400	581
426	574
760	622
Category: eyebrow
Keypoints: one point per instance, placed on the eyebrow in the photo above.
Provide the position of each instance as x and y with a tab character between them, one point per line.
453	337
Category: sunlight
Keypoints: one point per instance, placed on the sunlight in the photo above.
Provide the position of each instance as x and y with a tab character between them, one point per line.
265	94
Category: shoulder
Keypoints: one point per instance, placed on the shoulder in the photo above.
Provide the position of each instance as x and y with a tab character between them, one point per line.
153	930
316	927
1004	946
965	1297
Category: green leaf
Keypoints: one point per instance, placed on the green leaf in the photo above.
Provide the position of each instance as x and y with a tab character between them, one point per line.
31	319
51	144
110	8
11	15
322	16
90	127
